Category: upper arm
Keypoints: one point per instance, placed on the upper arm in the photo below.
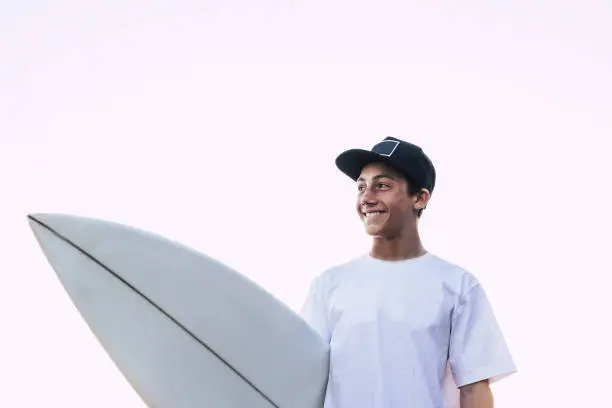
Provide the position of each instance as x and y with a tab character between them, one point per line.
478	350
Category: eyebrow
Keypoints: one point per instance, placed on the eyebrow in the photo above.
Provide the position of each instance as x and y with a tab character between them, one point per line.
379	176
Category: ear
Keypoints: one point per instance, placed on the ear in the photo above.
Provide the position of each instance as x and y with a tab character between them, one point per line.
421	199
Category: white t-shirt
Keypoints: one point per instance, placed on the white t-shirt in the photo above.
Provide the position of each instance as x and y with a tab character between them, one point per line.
404	334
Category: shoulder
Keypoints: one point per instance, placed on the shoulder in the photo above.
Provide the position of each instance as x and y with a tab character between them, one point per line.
458	278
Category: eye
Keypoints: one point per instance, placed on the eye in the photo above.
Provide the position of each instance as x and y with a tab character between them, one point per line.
360	188
383	185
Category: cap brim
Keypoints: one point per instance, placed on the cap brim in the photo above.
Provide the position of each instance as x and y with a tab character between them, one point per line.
352	162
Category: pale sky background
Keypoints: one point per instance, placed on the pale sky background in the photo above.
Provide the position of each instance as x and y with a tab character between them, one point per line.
216	123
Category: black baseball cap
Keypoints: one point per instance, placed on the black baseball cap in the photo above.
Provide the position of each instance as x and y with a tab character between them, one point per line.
406	158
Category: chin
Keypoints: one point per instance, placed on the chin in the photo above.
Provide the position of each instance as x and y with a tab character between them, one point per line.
380	231
375	231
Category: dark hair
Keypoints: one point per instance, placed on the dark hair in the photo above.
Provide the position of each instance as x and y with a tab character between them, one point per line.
413	189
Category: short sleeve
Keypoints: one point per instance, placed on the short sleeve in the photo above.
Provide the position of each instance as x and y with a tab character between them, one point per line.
314	311
478	350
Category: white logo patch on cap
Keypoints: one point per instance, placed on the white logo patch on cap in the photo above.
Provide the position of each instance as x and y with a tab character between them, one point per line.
386	148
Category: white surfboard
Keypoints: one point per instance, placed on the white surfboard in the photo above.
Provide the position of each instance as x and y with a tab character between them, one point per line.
185	330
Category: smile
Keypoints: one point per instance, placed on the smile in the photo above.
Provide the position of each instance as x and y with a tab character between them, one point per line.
373	214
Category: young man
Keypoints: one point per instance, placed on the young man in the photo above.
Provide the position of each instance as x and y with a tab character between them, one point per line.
406	328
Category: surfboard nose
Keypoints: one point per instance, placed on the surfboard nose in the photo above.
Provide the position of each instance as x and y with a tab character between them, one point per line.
54	221
39	229
32	217
38	218
34	222
37	221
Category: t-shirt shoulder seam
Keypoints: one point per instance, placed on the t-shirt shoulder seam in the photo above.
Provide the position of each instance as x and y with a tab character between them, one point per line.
470	290
458	270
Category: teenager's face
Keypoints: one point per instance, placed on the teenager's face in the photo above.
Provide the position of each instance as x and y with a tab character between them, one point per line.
383	202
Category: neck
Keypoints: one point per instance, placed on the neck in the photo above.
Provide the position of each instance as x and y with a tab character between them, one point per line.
403	246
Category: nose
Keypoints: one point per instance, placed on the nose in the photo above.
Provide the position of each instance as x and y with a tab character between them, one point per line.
368	198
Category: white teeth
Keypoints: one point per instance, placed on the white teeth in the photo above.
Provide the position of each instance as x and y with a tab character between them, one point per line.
373	213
